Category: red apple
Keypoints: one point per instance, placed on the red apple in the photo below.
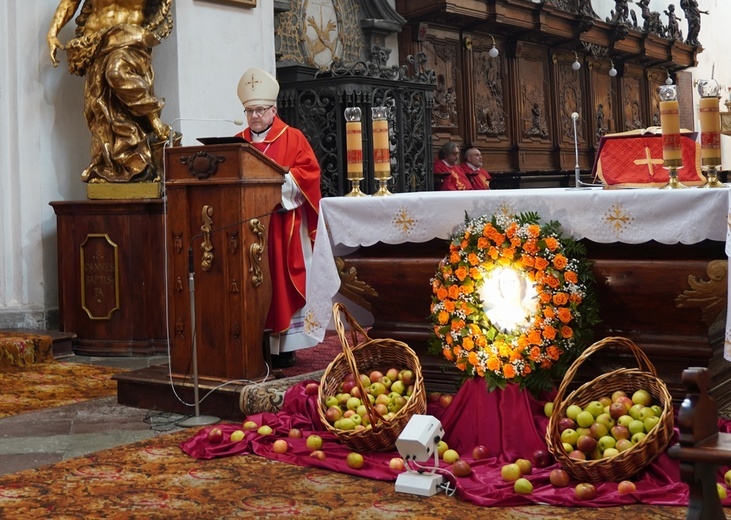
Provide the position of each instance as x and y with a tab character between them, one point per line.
318	454
566	423
617	410
215	435
392	373
433	397
578	455
375	376
461	468
407	377
280	446
559	477
626	486
250	425
585	491
295	433
332	414
445	400
354	460
586	443
620	432
397	464
479	452
541	458
346	387
312	388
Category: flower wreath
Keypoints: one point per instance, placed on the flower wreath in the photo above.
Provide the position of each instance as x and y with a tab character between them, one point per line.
512	301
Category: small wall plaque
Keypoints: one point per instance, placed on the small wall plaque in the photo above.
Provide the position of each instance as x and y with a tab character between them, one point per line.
99	276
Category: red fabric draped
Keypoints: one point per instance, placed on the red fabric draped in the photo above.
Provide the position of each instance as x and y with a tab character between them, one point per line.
510	423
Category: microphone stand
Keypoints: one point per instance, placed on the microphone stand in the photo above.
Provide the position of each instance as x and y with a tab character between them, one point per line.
577	170
198	419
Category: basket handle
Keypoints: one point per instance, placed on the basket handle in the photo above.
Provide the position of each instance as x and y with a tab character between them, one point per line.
338	310
643	362
355	327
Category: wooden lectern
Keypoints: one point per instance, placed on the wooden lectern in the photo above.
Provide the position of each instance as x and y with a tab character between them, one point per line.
218	200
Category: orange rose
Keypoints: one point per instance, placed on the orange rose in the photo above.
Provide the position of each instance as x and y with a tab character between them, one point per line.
541	263
549	332
443	317
468	344
560	262
454	257
449	306
567	332
571	277
560	298
453	291
472	357
482	243
461	273
553	282
534	230
564	314
448	354
551	243
493	363
508	371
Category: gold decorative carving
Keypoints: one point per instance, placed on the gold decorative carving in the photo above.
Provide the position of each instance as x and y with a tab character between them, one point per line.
708	295
99	276
206	245
255	252
352	288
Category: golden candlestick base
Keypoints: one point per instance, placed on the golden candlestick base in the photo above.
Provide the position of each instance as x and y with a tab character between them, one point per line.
382	187
712	181
673	183
355	188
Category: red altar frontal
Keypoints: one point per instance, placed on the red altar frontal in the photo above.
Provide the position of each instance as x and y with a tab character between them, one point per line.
660	262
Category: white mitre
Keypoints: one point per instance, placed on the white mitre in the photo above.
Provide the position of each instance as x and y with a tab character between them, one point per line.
258	88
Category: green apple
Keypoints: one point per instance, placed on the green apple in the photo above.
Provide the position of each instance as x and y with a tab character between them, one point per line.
635	410
442	447
647	412
331	401
510	472
624	420
570	436
606	442
264	430
642	397
314	442
548	408
610	452
636	426
523	486
585	418
399	387
606	420
721	491
573	410
237	436
354	460
727	477
637	437
568	448
657	409
650	423
450	456
595	408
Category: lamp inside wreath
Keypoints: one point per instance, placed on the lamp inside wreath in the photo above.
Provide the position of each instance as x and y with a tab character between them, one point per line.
509	299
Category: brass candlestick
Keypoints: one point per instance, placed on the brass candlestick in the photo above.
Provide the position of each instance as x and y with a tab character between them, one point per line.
712	181
355	187
673	182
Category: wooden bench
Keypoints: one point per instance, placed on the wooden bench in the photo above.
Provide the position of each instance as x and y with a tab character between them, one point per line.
701	449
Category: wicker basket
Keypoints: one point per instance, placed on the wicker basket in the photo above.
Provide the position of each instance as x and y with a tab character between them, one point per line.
372	354
631	461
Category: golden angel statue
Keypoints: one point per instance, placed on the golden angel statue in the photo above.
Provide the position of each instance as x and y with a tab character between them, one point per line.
113	50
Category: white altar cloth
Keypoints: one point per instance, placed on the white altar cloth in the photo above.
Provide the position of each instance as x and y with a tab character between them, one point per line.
629	216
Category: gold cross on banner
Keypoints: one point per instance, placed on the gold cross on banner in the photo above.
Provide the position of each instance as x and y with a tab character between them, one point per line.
252	82
649	161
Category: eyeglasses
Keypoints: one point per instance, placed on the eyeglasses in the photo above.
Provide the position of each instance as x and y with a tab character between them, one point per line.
258	111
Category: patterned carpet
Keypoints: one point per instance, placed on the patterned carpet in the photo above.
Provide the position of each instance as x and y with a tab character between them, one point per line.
154	479
48	385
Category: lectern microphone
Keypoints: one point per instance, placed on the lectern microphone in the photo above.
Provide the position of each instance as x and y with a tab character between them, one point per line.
237	122
577	168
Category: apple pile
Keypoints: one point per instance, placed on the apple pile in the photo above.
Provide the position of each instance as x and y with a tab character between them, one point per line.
388	393
609	425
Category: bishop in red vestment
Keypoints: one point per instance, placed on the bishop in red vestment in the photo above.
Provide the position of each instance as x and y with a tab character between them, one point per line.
291	234
448	175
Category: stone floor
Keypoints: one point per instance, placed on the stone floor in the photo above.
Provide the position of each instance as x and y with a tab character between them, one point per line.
35	439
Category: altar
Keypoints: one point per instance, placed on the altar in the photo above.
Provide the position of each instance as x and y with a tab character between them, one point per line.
660	262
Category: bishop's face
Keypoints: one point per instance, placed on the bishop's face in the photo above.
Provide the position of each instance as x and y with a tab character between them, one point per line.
475	158
260	117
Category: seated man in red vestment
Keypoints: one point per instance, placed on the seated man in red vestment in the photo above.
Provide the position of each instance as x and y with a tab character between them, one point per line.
448	175
292	233
472	166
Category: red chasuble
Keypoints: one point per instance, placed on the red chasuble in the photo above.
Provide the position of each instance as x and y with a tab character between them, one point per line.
450	178
479	178
289	147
